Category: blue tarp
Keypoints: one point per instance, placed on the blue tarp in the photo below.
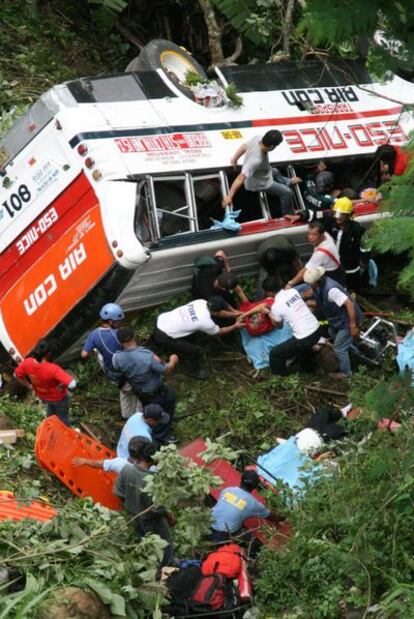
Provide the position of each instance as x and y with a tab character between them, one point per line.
286	463
257	348
405	355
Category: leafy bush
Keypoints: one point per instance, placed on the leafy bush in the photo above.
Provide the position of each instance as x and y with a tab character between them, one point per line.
353	537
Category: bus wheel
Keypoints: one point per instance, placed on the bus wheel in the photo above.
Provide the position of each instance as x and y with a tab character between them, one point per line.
174	60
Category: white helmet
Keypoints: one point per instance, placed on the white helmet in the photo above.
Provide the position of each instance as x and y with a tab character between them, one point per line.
308	442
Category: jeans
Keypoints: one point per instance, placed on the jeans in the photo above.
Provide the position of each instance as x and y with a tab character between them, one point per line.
342	343
60	409
286	350
280	188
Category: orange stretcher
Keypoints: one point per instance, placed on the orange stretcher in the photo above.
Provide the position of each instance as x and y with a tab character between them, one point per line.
266	532
55	447
14	509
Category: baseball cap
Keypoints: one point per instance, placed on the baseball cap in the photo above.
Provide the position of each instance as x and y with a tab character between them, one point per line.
216	303
250	479
156	412
311	276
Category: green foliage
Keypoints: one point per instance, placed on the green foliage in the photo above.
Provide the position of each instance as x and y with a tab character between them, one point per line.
396	232
235	99
239	14
338	22
191	485
352	538
86	545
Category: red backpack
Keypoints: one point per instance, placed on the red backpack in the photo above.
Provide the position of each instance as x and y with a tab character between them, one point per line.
226	561
210	594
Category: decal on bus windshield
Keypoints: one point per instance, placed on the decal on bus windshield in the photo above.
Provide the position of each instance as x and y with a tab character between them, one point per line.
175	141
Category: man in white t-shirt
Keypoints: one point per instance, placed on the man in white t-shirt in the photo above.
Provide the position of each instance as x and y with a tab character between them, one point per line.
290	307
176	330
342	313
325	254
257	173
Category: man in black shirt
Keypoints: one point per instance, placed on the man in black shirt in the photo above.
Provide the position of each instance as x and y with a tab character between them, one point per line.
217	279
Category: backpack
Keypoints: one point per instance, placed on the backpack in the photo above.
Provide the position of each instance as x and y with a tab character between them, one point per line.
226	561
191	592
211	593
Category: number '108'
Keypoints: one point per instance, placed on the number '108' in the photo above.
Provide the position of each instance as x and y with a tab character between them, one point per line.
15	203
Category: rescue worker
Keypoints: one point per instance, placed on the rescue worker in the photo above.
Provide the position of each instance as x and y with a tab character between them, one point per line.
325	254
104	341
258	175
347	234
290	307
144	371
176	331
342	313
235	504
113	465
130	488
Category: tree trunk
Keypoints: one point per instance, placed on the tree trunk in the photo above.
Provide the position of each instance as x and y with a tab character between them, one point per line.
287	26
214	32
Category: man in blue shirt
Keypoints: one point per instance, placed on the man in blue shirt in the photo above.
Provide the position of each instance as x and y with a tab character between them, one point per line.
142	424
236	504
104	341
144	371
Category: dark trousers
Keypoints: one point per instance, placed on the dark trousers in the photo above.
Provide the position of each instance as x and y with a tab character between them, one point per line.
158	526
184	347
282	352
60	408
166	397
324	421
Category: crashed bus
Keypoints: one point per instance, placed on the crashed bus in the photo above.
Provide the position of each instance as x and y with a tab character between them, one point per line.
109	184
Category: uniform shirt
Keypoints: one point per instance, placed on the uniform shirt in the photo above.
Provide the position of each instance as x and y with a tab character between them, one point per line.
325	255
315	200
135	426
143	371
114	465
106	342
233	507
187	319
289	306
256	166
49	381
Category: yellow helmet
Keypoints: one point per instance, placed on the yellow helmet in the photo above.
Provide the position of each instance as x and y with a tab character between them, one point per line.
343	205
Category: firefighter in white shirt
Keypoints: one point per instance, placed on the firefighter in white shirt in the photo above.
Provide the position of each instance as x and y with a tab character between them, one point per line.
176	330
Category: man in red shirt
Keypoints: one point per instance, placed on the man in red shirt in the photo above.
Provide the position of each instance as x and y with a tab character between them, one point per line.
48	380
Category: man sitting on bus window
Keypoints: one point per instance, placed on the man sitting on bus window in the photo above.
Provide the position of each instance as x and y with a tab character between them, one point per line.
258	175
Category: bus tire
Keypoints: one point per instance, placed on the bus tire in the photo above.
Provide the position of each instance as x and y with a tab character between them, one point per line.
174	60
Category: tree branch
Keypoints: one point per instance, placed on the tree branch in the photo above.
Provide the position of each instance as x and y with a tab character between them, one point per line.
214	32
